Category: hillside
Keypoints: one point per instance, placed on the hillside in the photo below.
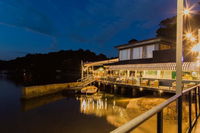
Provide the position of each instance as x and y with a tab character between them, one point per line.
62	66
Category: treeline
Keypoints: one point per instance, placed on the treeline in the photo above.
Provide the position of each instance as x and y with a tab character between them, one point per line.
62	66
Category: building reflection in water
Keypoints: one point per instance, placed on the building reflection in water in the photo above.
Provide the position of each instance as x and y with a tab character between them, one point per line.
117	110
105	105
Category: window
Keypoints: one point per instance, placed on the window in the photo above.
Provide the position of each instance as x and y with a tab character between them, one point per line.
124	54
149	51
137	53
166	74
150	74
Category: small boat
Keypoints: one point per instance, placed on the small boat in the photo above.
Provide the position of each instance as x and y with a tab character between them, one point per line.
89	90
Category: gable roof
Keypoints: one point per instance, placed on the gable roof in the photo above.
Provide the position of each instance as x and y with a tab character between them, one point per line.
145	42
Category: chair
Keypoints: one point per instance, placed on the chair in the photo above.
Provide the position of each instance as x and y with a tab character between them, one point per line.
144	82
154	83
188	85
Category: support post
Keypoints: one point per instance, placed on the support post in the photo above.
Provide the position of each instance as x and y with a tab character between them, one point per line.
160	122
82	69
179	50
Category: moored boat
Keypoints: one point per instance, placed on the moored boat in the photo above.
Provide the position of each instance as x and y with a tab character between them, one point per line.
89	90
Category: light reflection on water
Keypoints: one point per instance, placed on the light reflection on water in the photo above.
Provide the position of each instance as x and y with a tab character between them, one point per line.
63	113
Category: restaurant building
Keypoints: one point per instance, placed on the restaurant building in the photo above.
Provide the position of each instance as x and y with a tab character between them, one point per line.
148	63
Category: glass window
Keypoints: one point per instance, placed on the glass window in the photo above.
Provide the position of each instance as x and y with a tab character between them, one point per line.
149	51
137	53
150	74
167	74
124	54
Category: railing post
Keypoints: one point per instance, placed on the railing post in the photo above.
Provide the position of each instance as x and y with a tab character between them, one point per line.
160	122
179	104
195	96
199	97
190	110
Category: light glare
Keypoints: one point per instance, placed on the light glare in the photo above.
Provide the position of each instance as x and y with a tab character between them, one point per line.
196	48
186	11
192	39
189	35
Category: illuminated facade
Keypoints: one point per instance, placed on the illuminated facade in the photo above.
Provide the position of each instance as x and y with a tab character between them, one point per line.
147	63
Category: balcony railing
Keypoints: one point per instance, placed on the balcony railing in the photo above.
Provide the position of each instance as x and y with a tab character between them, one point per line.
192	96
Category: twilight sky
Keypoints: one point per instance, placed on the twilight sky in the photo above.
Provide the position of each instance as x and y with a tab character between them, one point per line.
41	26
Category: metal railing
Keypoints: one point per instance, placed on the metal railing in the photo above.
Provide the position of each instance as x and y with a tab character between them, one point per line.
192	94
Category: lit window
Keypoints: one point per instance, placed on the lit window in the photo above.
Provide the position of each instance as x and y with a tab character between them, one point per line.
137	53
149	51
124	54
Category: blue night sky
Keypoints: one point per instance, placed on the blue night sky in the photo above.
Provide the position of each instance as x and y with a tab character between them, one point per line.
41	26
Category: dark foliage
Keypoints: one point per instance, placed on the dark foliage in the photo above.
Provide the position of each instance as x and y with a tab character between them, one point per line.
62	66
167	27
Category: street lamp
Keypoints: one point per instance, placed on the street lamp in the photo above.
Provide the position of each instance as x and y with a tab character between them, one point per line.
188	35
193	39
179	50
186	11
179	45
196	48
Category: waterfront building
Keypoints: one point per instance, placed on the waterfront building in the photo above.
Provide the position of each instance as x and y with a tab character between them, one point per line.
149	63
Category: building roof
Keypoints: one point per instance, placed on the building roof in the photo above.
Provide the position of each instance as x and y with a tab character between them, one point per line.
187	66
99	63
145	42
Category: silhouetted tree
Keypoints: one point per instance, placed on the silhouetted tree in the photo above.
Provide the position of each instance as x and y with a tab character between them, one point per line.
62	66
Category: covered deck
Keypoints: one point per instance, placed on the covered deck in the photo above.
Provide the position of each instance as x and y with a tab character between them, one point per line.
153	76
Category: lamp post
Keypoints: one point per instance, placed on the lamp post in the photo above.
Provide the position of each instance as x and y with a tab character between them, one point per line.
179	49
179	45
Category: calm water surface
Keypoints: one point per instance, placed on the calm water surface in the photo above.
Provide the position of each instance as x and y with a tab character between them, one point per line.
61	113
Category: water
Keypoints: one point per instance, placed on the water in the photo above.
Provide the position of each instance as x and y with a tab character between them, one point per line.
63	113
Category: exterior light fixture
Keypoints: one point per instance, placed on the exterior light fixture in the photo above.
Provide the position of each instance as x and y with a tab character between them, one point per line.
196	48
193	39
186	11
189	35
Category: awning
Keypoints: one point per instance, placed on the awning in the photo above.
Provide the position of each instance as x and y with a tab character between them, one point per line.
99	63
187	66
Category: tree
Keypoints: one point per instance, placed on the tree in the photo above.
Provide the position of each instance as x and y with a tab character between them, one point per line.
167	27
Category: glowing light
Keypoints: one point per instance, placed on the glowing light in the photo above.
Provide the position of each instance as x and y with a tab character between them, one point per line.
189	35
161	91
186	11
101	69
193	39
196	48
141	89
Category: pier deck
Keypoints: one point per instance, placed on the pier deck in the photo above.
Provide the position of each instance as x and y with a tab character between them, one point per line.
159	88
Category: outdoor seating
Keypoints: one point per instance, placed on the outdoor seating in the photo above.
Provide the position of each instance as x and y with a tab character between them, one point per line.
188	85
131	81
154	83
144	82
174	86
185	85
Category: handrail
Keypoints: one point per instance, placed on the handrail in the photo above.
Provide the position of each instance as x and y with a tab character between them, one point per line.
129	126
84	78
140	119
